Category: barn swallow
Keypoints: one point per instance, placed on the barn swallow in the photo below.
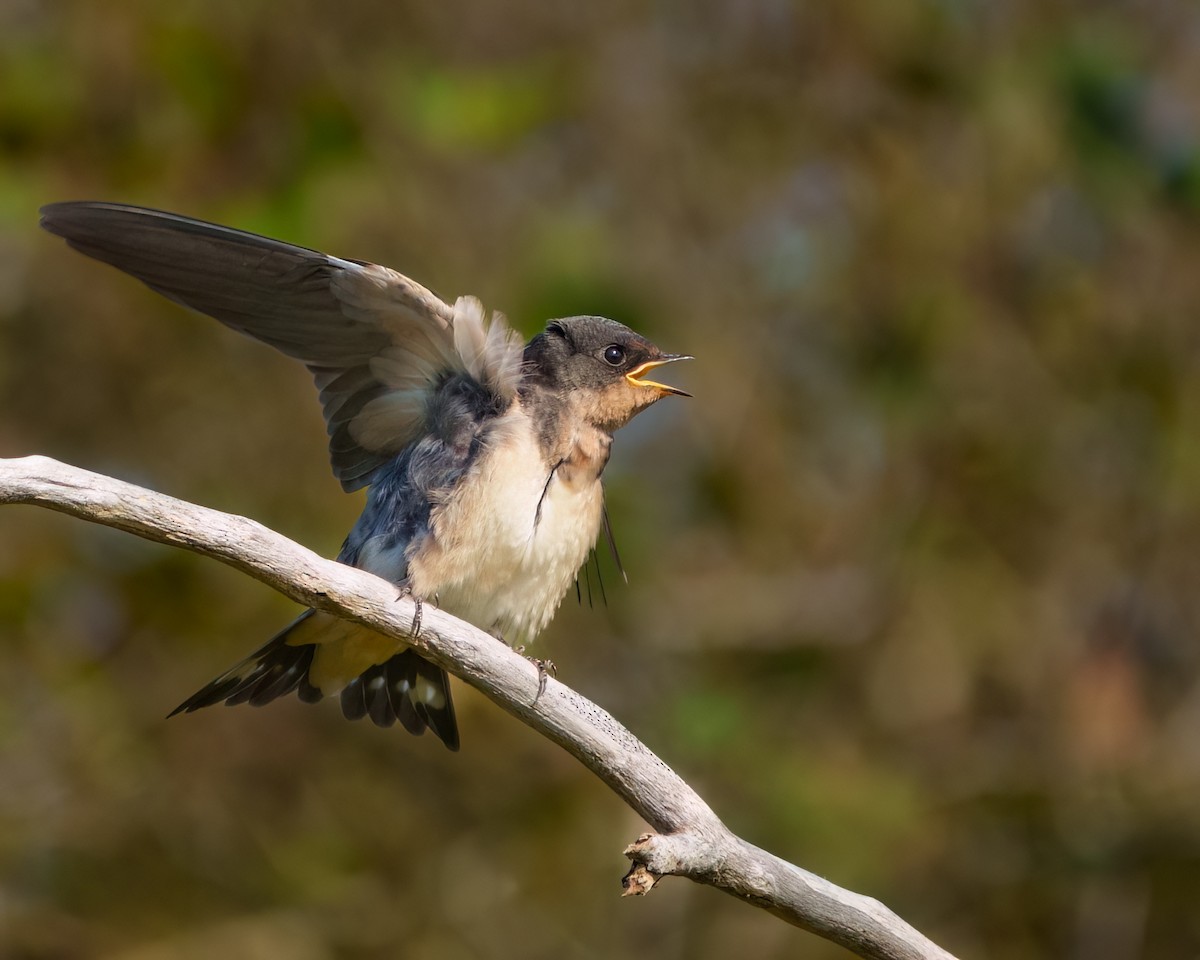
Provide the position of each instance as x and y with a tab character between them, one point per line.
482	456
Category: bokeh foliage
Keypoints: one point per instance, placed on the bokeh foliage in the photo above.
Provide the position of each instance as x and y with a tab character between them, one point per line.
913	580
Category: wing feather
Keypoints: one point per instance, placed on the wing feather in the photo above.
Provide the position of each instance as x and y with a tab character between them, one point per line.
378	344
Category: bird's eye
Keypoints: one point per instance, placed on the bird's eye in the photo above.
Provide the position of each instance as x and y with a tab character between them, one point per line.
614	354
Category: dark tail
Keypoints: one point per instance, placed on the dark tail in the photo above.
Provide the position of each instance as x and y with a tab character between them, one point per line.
406	687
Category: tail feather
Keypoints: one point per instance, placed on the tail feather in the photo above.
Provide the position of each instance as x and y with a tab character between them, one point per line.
402	705
406	687
354	699
284	676
308	693
274	666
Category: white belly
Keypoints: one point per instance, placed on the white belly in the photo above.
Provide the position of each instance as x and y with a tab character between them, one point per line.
508	545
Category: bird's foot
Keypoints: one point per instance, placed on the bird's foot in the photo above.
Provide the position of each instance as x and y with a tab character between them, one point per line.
405	594
545	668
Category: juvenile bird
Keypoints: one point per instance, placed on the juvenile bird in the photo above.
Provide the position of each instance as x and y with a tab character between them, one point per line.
481	456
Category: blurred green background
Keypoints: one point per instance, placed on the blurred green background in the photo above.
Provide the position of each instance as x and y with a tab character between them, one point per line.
914	586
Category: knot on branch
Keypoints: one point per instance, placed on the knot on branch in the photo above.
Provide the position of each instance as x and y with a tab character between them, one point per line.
686	853
640	880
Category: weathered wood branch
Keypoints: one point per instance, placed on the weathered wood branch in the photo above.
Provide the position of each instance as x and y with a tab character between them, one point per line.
689	841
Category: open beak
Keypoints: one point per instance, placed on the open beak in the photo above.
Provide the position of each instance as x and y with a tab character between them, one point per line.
634	376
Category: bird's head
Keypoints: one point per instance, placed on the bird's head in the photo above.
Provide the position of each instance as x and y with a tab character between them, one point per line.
601	367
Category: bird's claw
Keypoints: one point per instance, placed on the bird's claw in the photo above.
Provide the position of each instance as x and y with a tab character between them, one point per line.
545	669
406	593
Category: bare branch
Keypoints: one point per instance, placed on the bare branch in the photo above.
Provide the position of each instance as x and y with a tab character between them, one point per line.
689	841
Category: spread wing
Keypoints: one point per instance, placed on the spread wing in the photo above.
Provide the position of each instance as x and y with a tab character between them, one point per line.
378	344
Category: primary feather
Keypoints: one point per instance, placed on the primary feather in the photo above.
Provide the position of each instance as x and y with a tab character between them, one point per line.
377	343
